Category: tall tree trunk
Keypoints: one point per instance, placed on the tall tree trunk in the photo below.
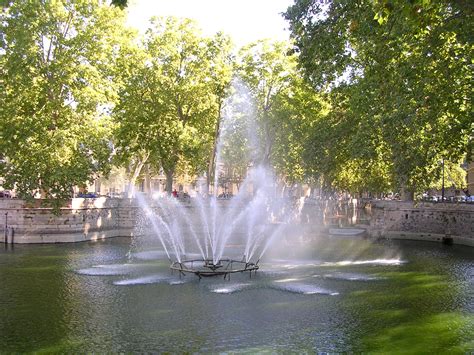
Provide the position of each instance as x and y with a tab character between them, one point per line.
136	173
212	157
268	137
406	194
169	180
147	179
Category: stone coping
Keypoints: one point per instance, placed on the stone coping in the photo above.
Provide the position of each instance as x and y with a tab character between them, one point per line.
413	205
85	219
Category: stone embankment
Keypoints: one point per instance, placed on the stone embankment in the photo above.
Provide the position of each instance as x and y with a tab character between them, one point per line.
444	222
80	220
94	219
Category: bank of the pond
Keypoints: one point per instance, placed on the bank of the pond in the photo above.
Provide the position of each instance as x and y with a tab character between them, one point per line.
441	222
81	219
92	219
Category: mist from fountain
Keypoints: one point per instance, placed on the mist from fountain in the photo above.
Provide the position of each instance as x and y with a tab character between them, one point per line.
251	220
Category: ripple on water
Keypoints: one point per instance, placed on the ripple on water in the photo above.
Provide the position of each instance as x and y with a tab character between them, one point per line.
365	262
229	288
150	255
273	272
291	279
298	265
107	270
150	279
349	276
301	288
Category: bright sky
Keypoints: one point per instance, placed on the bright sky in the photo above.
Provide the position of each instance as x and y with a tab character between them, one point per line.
244	20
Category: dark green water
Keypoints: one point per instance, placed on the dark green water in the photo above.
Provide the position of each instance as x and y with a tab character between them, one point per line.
328	295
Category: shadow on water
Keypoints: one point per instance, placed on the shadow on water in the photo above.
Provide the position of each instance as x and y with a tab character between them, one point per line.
92	297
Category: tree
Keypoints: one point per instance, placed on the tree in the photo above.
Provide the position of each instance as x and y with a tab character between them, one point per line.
405	77
233	151
286	110
267	70
119	3
222	69
137	127
171	97
295	115
55	61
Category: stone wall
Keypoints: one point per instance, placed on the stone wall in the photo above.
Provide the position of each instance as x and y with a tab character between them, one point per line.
423	221
93	219
81	219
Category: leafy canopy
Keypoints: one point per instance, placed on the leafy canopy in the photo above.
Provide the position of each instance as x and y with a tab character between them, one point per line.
173	83
399	74
56	63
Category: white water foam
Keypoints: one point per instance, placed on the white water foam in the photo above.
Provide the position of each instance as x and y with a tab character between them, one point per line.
108	270
287	280
227	289
297	266
365	262
347	276
151	279
301	288
176	282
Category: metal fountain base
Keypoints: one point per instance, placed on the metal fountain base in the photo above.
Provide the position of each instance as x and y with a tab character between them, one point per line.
207	268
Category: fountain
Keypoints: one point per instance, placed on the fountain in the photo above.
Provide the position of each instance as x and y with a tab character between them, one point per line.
206	267
334	290
213	237
207	236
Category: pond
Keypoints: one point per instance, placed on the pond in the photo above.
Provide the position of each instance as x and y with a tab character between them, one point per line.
324	294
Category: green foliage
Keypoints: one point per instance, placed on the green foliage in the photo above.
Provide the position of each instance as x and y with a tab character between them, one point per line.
268	71
55	61
172	87
236	149
399	79
119	3
454	176
295	115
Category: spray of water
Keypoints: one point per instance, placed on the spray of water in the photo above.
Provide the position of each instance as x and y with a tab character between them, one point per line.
251	219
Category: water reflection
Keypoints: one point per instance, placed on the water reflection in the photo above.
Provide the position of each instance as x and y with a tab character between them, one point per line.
106	297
